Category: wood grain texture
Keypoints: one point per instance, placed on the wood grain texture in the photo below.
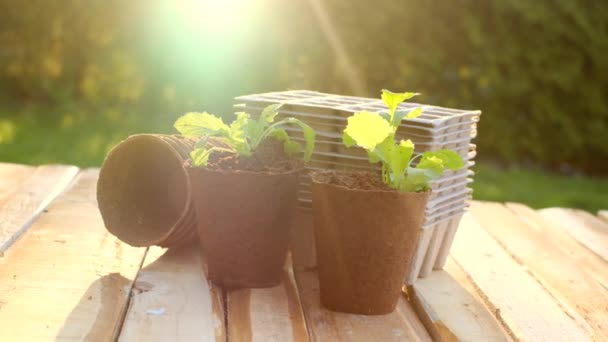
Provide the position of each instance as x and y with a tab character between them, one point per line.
67	279
584	227
24	192
562	276
595	266
324	325
520	302
173	301
270	314
451	309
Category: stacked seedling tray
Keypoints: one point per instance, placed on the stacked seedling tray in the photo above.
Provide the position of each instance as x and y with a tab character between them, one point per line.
437	128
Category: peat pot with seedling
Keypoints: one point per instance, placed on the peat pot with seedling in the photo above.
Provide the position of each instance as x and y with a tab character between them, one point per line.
244	192
367	224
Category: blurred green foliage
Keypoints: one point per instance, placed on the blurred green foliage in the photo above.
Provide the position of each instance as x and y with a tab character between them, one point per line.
537	69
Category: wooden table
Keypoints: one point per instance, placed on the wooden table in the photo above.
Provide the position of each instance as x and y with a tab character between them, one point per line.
513	273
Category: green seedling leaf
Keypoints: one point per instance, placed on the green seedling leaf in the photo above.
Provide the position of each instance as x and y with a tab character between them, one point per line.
238	133
375	132
200	156
393	100
269	113
367	129
243	135
449	158
348	141
308	132
194	125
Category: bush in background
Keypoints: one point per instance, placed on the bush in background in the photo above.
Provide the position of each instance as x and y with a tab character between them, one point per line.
537	69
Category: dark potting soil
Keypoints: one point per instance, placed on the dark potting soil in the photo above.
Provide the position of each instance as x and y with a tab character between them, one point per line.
268	157
354	180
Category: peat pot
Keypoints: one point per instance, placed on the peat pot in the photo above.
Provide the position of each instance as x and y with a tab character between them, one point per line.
243	224
143	191
365	241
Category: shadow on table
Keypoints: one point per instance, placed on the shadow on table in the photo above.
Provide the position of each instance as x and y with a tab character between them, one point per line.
106	299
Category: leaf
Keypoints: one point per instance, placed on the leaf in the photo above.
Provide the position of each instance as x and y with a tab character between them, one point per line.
270	112
401	114
194	125
309	134
393	100
280	135
433	165
238	133
200	156
414	113
450	159
202	142
367	129
416	180
348	141
373	157
400	157
291	147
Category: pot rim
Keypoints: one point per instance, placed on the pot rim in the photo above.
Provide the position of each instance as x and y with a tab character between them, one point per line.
245	172
344	188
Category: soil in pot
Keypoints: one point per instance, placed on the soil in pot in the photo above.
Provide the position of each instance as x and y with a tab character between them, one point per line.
365	237
245	206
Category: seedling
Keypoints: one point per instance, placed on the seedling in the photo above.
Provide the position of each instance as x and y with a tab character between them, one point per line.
375	132
243	135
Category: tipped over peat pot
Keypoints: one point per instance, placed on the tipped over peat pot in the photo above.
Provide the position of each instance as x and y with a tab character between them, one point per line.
244	219
365	239
143	191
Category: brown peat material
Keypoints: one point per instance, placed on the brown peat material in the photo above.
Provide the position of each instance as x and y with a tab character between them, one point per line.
143	190
365	236
245	206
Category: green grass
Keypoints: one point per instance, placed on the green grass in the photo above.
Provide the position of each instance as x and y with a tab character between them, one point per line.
82	136
538	188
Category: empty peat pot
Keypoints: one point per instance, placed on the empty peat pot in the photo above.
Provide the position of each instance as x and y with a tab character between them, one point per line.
365	239
244	219
143	191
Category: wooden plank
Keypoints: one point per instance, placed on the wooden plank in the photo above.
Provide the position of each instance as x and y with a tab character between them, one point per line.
173	301
270	314
584	258
324	325
603	214
584	227
451	309
522	305
67	279
560	275
24	192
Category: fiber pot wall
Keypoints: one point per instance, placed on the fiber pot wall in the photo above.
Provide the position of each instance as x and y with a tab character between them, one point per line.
143	191
365	241
244	219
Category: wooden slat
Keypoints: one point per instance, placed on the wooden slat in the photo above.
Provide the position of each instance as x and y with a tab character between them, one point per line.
584	227
67	279
584	258
24	192
270	314
603	214
451	309
522	305
172	300
562	276
324	325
